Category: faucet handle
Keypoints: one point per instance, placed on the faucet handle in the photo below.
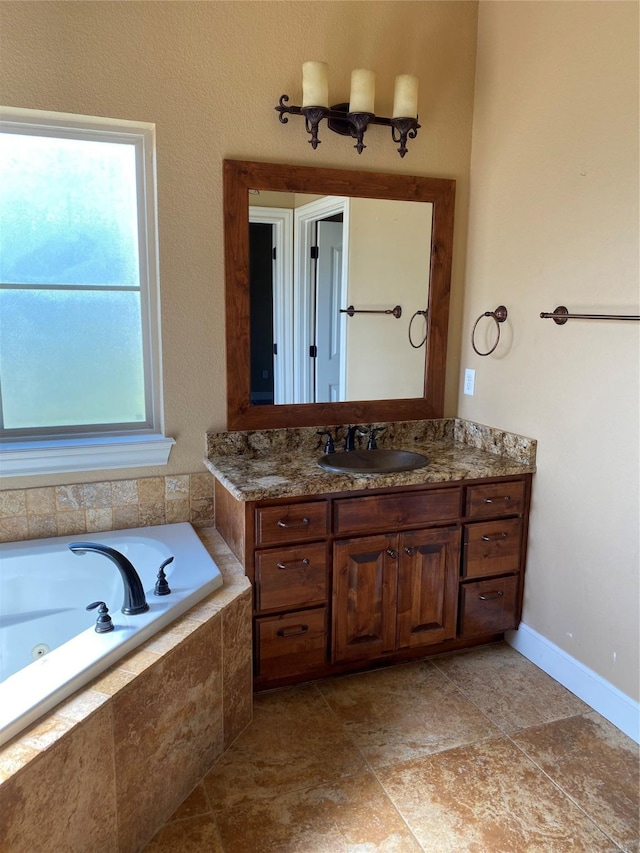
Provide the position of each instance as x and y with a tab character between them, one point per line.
162	584
372	444
103	622
329	445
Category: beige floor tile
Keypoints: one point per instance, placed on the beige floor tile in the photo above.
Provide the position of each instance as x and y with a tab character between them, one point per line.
293	741
403	712
597	766
344	817
194	835
488	798
508	688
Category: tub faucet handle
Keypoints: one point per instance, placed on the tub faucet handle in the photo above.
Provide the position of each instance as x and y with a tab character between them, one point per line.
162	584
103	622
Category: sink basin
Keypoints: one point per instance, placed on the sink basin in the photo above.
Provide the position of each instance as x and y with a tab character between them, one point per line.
381	461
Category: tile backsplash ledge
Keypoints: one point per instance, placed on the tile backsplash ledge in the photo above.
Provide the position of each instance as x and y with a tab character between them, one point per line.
107	505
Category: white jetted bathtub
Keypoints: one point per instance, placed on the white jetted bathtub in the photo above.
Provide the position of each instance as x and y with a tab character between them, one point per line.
48	644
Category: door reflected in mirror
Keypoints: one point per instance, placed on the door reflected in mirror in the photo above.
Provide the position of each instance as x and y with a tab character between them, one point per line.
311	257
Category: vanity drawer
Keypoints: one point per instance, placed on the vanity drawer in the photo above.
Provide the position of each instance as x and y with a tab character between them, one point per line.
488	607
292	644
291	577
291	523
395	512
495	499
492	548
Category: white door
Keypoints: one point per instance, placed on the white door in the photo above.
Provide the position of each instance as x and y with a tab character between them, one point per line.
329	384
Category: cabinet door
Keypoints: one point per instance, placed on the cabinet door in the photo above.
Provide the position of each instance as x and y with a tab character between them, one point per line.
427	586
364	597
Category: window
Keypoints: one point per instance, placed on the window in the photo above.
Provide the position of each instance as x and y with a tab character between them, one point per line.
80	384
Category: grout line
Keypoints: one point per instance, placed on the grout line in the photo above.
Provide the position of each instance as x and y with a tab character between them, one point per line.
557	784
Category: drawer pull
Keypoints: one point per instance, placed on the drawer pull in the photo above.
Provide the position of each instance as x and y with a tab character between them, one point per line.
393	554
299	564
292	631
495	538
488	596
410	550
505	499
284	523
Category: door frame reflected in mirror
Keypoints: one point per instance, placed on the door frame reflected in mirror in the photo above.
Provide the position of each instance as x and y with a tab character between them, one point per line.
241	176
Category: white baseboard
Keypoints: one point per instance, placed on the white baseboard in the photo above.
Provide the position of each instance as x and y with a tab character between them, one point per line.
586	684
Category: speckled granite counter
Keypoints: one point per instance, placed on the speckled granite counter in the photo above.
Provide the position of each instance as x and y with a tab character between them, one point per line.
263	464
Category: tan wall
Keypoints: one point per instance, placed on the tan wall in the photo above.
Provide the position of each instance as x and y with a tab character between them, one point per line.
554	220
389	261
209	75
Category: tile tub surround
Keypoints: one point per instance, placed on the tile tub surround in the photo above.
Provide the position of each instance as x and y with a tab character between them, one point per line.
263	464
126	750
107	505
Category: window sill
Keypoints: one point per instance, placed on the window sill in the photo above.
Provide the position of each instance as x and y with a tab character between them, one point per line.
58	456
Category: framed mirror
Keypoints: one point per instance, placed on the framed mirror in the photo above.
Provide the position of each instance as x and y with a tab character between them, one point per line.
380	268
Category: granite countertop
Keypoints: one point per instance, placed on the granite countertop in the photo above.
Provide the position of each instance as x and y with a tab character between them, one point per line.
282	463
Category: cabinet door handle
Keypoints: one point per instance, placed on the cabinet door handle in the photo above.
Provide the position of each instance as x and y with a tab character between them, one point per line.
392	553
506	499
292	631
299	564
491	595
495	538
282	522
410	550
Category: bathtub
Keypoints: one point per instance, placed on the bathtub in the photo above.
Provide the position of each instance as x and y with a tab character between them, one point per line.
48	645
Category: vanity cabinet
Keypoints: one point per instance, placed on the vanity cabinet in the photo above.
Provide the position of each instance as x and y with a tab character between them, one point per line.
393	592
344	581
493	554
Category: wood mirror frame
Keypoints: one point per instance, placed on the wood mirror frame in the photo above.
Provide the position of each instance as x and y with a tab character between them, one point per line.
241	176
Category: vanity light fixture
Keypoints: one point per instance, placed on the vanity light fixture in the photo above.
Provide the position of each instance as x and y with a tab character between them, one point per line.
354	118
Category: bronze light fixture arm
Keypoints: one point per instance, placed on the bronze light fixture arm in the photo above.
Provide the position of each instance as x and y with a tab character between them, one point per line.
341	121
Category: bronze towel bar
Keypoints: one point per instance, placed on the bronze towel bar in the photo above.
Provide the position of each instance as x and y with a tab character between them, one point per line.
397	311
561	315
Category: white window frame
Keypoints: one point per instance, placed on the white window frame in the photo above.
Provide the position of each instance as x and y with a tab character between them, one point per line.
89	449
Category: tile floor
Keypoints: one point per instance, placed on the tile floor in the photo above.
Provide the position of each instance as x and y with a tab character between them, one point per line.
478	752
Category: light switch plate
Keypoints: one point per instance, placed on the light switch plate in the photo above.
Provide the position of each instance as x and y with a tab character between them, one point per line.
469	381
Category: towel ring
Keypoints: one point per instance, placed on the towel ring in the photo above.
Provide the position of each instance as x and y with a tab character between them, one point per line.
413	317
499	315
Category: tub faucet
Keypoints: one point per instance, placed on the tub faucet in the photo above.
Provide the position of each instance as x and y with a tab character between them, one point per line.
134	598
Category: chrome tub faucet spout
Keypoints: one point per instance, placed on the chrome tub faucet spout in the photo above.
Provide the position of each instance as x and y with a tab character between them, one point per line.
134	598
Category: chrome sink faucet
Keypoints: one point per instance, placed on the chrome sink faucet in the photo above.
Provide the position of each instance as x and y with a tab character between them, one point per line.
134	598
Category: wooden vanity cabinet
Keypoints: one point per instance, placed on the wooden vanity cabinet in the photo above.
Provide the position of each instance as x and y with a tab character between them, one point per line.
493	557
394	592
345	581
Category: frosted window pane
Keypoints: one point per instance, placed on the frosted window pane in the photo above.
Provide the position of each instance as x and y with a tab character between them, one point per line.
70	357
68	211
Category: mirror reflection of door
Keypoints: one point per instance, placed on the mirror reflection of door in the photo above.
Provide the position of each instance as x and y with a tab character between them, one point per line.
384	260
321	230
261	295
271	304
329	347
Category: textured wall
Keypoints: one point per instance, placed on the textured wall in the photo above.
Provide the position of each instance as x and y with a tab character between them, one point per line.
209	75
554	220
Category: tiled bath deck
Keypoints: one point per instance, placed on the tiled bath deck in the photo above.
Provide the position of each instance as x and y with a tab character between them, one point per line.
478	752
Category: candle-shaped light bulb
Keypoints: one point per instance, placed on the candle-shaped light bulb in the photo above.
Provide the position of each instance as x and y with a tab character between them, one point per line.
363	91
315	84
405	99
